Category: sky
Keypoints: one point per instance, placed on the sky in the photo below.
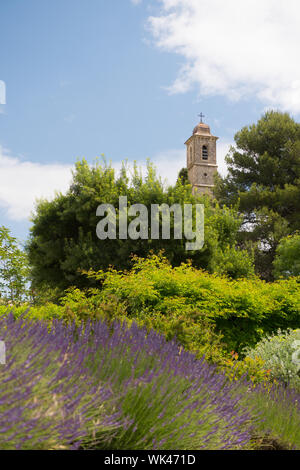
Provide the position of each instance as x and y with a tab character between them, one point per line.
127	79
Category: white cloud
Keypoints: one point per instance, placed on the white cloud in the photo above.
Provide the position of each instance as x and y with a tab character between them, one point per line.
234	48
22	182
136	2
169	163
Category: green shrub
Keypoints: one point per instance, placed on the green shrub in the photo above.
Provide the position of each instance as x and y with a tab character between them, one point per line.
46	312
281	355
208	314
240	311
233	263
287	259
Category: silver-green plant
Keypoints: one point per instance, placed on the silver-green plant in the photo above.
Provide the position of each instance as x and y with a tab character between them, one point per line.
281	354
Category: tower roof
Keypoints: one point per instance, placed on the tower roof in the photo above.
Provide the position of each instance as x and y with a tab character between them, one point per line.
201	129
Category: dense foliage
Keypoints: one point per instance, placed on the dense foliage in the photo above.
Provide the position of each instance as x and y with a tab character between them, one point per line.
63	235
14	269
287	259
208	314
264	175
186	302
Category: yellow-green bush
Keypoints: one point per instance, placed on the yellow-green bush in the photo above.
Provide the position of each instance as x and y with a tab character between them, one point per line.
208	314
242	311
196	307
46	312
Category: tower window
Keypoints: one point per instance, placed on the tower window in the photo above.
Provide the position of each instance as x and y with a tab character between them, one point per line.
191	153
204	153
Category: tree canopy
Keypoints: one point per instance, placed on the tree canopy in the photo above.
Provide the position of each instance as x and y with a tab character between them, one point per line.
14	269
264	177
287	259
63	237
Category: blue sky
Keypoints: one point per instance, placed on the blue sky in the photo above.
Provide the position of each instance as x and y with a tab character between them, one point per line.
127	79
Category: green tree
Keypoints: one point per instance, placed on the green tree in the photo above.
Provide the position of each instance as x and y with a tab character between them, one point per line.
183	176
14	269
287	259
264	177
232	262
63	237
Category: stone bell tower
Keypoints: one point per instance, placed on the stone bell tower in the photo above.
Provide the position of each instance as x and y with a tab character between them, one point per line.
201	158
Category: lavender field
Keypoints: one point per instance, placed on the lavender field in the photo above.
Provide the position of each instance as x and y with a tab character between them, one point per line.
100	386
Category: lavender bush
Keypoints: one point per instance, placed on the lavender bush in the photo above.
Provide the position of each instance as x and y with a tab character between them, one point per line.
111	387
170	399
117	387
48	398
279	410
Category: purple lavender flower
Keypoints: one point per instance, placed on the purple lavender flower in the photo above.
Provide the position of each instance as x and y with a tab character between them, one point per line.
45	399
114	387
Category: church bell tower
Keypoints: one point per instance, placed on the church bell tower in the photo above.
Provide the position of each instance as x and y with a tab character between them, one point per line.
201	158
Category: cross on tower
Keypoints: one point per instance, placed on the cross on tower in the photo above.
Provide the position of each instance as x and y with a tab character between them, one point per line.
201	116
